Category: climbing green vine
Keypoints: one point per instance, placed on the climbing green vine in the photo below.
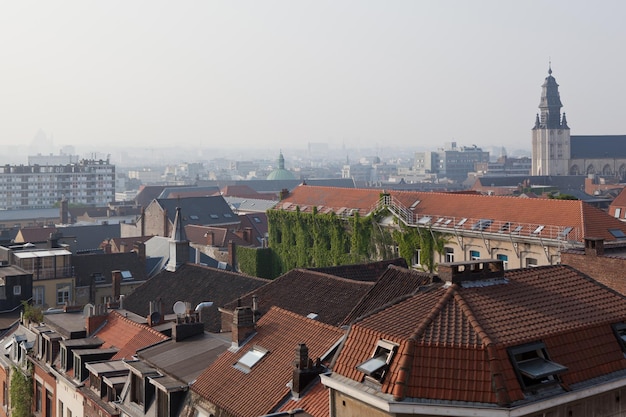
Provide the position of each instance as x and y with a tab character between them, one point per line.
21	392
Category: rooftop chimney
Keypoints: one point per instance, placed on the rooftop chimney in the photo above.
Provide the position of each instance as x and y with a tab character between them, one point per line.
116	281
232	255
478	270
304	370
243	325
594	246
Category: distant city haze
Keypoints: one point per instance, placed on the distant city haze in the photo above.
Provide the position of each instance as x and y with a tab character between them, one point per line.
281	74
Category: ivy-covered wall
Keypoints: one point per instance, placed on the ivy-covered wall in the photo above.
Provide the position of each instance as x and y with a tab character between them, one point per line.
261	263
319	240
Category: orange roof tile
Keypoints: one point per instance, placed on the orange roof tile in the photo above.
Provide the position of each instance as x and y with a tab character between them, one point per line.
127	335
585	220
454	340
314	402
262	389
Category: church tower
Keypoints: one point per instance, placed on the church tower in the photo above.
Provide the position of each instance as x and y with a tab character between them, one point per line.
551	135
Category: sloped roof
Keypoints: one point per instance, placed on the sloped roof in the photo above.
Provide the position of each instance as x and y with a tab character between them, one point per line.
454	340
370	271
597	146
194	284
221	237
303	292
85	266
79	238
243	191
528	213
256	205
126	335
394	283
263	389
129	242
314	402
184	192
147	193
619	202
207	211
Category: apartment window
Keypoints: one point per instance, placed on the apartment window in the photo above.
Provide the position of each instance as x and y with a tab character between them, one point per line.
376	367
618	211
449	254
504	259
531	262
63	293
533	366
60	412
137	389
474	255
17	290
417	258
38	394
38	296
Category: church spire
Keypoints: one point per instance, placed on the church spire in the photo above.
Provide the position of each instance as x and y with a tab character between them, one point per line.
550	104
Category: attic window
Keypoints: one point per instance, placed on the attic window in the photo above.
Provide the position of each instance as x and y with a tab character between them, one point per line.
126	275
563	233
461	222
250	358
256	220
620	333
97	276
505	227
533	366
214	216
482	224
415	204
194	217
228	215
424	220
538	230
376	367
618	233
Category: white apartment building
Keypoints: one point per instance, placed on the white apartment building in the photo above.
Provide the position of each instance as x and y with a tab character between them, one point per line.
89	182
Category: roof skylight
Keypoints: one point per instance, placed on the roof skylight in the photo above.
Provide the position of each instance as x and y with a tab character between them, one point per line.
618	233
250	358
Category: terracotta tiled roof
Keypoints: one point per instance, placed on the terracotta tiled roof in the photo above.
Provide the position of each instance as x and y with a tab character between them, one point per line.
362	272
194	284
315	402
393	284
264	388
127	335
619	202
303	292
454	340
554	214
221	237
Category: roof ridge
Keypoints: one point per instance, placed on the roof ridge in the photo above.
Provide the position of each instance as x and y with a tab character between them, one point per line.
125	319
335	277
302	318
406	360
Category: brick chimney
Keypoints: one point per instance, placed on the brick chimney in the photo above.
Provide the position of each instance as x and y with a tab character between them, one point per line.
478	270
210	238
107	248
95	319
116	281
64	211
305	370
140	250
243	325
232	255
247	234
594	246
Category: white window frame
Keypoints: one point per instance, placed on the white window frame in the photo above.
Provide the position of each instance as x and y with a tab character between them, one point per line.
377	365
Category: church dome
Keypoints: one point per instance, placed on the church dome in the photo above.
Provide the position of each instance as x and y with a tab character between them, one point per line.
281	173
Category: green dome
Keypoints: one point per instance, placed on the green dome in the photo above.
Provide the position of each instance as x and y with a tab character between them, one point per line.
281	173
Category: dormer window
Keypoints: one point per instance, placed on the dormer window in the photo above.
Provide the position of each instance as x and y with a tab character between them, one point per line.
250	358
376	367
127	275
533	366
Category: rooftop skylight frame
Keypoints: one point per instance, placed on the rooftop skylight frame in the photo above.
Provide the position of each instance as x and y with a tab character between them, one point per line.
533	366
377	365
617	233
250	359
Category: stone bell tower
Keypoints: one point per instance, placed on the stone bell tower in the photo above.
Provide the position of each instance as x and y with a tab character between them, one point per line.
551	135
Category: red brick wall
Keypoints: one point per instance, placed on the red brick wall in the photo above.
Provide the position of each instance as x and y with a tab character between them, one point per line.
4	401
606	270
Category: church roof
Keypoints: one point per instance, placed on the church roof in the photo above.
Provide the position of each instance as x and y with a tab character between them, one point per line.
598	146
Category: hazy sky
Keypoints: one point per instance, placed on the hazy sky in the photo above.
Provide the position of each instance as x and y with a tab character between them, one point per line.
282	73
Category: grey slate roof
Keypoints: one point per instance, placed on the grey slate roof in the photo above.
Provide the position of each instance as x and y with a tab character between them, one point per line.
195	284
597	146
206	211
276	186
85	266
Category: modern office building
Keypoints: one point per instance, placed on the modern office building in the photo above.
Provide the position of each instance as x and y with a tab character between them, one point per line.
88	182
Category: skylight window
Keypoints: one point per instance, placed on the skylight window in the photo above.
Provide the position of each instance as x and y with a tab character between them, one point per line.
424	220
126	275
505	227
533	366
482	224
461	222
228	215
618	233
415	204
250	358
538	230
563	233
256	220
518	229
193	217
214	216
376	366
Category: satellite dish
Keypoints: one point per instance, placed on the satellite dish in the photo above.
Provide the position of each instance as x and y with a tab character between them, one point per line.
155	318
179	308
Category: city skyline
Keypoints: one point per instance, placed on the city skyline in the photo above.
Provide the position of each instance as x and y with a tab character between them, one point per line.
277	74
